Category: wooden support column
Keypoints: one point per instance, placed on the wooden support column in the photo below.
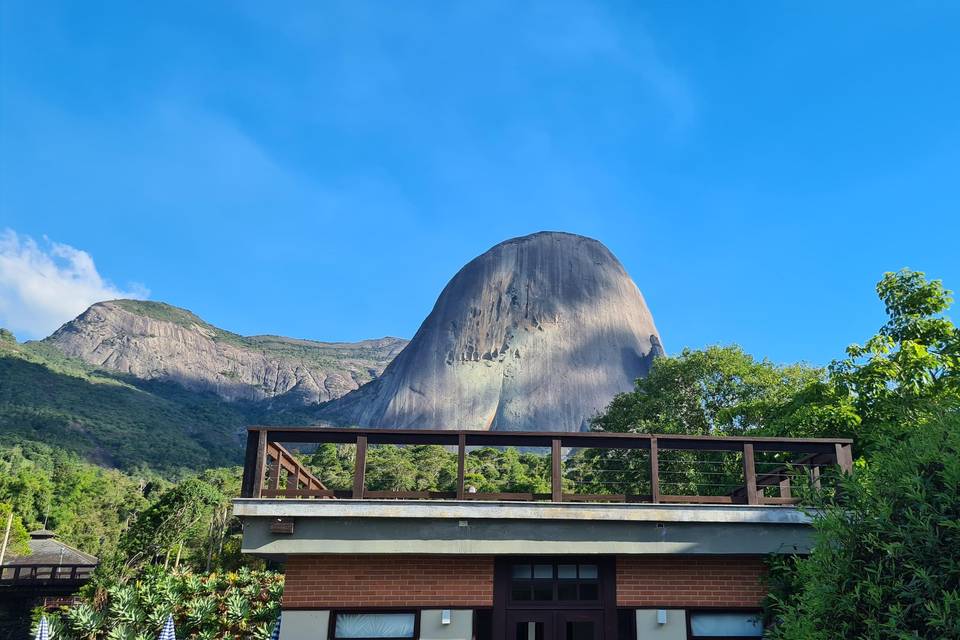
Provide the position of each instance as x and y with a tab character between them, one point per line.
844	457
360	468
556	481
461	464
261	464
750	474
654	470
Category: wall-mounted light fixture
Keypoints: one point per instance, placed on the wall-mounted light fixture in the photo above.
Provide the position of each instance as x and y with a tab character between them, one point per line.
445	616
661	616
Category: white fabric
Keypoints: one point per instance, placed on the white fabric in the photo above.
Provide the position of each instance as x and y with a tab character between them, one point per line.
167	633
374	625
745	625
43	630
275	635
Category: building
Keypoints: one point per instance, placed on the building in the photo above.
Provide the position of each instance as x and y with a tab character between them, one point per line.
48	576
685	559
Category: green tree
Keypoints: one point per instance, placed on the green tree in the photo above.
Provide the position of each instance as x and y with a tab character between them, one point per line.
17	544
333	464
170	521
910	370
886	562
714	391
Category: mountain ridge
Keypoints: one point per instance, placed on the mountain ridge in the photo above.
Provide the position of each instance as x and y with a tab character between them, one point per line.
158	341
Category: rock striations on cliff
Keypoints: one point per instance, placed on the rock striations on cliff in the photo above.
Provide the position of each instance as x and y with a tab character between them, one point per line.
157	341
538	333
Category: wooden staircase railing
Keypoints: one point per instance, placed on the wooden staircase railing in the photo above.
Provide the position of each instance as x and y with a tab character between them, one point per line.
299	480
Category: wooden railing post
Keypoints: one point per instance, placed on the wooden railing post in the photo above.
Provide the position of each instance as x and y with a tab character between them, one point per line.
360	468
275	473
844	457
785	491
293	480
815	476
556	478
461	464
750	474
261	464
654	470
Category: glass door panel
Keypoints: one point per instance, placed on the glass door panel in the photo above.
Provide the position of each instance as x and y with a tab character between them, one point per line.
576	625
530	625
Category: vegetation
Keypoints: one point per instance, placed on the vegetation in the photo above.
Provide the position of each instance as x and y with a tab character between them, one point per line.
433	468
219	606
116	420
886	561
88	506
17	543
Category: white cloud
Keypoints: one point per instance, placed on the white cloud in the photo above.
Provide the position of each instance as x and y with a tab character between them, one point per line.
41	287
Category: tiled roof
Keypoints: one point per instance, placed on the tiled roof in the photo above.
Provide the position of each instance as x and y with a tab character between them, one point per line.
46	549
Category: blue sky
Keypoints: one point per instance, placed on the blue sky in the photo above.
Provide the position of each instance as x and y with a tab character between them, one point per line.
321	169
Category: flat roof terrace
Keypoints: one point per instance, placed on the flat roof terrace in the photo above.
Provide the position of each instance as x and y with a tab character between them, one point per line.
610	493
584	467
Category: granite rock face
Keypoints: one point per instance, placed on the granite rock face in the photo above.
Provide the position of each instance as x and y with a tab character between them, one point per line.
538	333
156	341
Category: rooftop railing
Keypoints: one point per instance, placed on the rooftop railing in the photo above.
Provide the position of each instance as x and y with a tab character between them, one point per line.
583	466
32	574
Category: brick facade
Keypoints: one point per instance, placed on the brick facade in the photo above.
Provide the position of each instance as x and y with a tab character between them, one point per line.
332	581
339	581
690	581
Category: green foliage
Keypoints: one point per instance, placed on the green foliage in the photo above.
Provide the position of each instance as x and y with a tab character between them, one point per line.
507	470
116	420
234	605
17	542
170	520
910	370
88	506
715	391
333	464
7	336
433	468
886	562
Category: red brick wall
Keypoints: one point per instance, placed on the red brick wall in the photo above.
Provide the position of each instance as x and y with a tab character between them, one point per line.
330	581
690	581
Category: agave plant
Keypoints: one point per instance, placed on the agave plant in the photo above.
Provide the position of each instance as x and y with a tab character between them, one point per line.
241	606
85	621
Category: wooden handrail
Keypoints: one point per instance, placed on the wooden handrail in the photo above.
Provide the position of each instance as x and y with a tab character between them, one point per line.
300	481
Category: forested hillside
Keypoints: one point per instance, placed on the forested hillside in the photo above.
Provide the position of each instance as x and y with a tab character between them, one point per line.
117	420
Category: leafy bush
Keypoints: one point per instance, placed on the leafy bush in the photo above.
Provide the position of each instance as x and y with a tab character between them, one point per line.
887	559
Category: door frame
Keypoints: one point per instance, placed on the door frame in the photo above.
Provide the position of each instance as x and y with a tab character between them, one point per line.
560	616
607	604
531	615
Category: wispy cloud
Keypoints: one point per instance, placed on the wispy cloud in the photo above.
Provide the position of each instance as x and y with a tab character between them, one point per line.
43	285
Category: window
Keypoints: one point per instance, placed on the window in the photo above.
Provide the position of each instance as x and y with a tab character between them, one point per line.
374	625
562	581
712	624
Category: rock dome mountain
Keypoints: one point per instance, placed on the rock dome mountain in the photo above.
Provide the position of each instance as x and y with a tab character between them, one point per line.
538	333
157	341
